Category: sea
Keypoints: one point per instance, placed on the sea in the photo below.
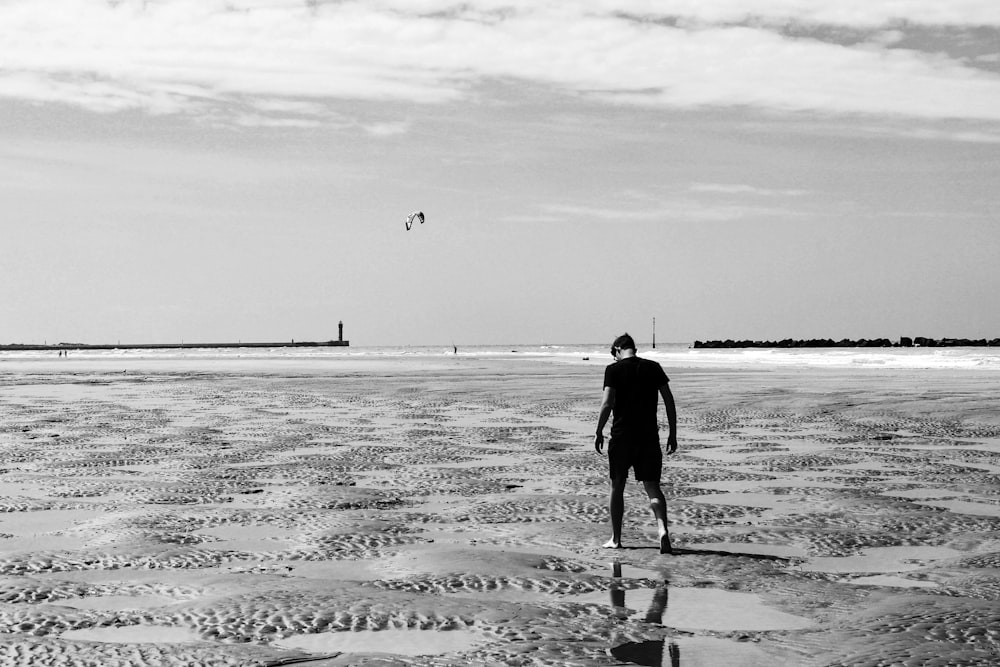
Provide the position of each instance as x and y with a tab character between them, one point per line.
674	355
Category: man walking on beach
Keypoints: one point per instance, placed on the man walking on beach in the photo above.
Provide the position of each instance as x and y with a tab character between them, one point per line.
632	387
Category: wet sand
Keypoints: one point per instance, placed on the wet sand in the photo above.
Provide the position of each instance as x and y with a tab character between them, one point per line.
439	511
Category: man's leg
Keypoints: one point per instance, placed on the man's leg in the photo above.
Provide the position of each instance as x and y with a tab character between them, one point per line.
616	506
658	503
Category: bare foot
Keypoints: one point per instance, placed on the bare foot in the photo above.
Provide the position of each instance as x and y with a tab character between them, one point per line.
611	544
665	547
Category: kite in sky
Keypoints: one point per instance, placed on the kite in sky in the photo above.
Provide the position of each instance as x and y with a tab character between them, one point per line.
417	216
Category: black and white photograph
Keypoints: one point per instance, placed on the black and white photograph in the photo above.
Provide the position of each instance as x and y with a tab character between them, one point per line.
420	333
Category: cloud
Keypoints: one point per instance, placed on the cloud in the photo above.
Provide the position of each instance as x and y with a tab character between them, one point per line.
680	209
257	120
295	59
387	129
737	189
844	13
962	135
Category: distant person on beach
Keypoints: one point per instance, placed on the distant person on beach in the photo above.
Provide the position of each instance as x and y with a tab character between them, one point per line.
632	388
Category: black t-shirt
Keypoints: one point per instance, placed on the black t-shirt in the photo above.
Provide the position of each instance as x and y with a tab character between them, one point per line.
637	383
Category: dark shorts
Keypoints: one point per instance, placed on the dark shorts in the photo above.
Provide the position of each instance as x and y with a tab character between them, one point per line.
646	460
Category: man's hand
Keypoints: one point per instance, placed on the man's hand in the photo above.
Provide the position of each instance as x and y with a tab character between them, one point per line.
671	444
599	443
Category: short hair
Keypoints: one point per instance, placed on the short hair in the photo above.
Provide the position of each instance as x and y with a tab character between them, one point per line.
624	342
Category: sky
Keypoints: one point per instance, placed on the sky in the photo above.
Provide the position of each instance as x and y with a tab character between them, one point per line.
241	170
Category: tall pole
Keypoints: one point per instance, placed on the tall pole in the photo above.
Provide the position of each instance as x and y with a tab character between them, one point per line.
654	333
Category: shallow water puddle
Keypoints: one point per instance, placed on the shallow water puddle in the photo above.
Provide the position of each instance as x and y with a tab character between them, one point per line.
134	634
484	461
891	581
920	493
724	611
881	559
749	499
249	538
761	486
43	530
40	543
141	468
693	652
396	641
307	451
870	465
118	602
25	489
40	522
966	507
628	571
697	609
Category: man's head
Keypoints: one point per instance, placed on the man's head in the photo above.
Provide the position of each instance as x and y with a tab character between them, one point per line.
623	342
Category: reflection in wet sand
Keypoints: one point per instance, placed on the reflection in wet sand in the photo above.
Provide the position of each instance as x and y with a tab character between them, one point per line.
654	653
648	652
657	607
696	608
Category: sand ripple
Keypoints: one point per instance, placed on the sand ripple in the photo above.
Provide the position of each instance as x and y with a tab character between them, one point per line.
248	508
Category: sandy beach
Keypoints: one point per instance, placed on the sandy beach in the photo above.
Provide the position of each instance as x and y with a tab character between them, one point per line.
451	511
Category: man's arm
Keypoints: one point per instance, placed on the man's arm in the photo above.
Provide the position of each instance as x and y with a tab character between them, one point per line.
668	402
607	404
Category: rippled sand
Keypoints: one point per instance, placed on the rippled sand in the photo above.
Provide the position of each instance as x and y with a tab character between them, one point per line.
451	511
